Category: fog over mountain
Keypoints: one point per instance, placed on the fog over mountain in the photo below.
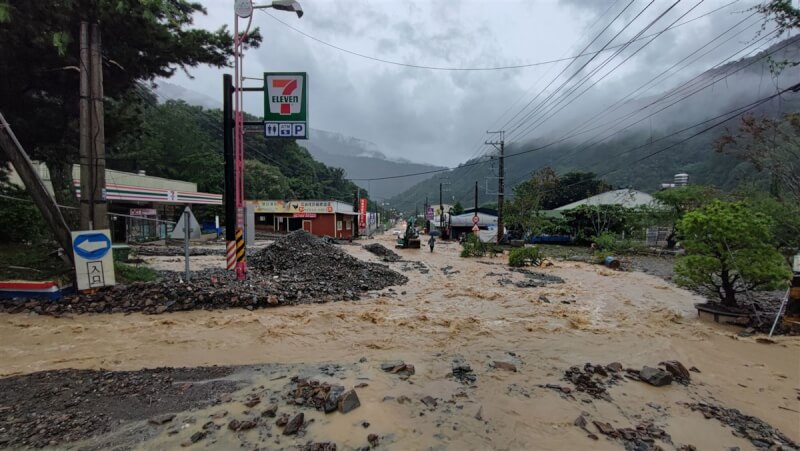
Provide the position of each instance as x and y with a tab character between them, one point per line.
630	149
359	158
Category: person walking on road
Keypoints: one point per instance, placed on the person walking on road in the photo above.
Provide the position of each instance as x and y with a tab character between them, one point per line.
431	242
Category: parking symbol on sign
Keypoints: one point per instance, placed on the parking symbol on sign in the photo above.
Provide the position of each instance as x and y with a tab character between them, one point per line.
286	129
299	129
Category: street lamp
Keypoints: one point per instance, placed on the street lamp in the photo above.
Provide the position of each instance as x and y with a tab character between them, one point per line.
244	9
286	5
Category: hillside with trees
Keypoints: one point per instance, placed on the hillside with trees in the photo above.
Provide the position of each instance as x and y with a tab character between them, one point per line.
649	153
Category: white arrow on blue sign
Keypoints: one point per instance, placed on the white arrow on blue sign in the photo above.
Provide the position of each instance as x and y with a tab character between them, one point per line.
91	246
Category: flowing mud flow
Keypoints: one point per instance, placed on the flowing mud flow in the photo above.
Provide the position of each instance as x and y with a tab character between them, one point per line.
489	361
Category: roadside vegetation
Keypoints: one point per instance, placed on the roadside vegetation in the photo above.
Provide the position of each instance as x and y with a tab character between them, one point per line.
127	273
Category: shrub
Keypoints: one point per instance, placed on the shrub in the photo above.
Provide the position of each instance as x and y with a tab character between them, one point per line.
134	273
524	256
473	247
729	250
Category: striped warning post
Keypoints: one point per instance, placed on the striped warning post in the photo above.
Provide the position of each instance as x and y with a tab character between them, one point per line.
239	245
230	255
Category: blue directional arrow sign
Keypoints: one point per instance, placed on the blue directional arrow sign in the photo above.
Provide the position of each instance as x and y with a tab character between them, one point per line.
91	245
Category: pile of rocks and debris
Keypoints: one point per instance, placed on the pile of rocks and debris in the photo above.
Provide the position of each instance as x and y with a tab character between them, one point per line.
402	369
414	265
535	279
594	380
760	434
321	396
299	269
639	438
382	251
53	407
462	371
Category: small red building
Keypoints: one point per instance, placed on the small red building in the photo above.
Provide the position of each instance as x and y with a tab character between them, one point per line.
318	217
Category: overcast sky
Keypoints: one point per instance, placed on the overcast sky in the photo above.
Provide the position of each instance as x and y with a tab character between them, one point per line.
440	117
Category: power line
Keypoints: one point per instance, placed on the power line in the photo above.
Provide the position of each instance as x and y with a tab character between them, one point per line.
546	115
514	126
587	144
475	69
723	118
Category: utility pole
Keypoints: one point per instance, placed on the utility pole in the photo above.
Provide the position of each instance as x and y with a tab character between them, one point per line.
230	173
13	151
441	210
100	207
85	149
476	199
93	207
500	146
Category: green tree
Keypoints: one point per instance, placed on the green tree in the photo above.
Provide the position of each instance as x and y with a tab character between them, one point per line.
771	146
729	250
676	202
262	181
522	212
39	76
588	221
574	186
458	208
784	216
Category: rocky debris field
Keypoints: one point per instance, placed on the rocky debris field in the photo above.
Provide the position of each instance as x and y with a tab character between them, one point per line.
760	434
382	251
298	269
54	407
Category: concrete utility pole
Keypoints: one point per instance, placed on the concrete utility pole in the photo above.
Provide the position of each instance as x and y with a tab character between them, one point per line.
476	199
500	146
100	218
13	151
93	207
441	210
85	149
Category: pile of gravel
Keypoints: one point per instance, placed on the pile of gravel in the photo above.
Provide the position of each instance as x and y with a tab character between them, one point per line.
298	269
382	251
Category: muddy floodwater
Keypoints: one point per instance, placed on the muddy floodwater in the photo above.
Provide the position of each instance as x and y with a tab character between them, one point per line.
452	308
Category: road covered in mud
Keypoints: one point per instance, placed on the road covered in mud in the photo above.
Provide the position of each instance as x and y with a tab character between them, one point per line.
467	354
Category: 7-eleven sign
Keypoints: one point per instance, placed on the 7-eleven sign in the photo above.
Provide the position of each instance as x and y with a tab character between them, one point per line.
285	105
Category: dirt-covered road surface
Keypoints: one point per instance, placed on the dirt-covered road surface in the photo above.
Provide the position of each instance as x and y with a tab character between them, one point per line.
491	357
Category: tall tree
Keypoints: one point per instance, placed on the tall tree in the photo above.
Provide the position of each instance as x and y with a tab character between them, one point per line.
729	250
530	197
39	75
771	146
676	202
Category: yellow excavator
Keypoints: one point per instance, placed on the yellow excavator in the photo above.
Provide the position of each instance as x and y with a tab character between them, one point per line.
410	239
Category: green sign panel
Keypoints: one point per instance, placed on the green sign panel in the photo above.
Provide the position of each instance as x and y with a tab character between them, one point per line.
286	105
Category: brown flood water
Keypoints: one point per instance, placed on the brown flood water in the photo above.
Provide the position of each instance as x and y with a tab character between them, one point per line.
633	318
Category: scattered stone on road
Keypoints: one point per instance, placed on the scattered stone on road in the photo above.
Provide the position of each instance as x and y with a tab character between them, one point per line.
381	251
348	401
655	376
760	434
162	419
507	366
399	367
678	371
462	372
294	424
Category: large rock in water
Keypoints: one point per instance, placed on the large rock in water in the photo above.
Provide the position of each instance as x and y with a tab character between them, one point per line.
655	376
678	371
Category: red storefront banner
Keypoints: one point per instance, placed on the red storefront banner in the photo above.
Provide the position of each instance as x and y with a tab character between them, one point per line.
362	213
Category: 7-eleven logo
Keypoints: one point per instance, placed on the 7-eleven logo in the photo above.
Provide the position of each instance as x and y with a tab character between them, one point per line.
285	94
